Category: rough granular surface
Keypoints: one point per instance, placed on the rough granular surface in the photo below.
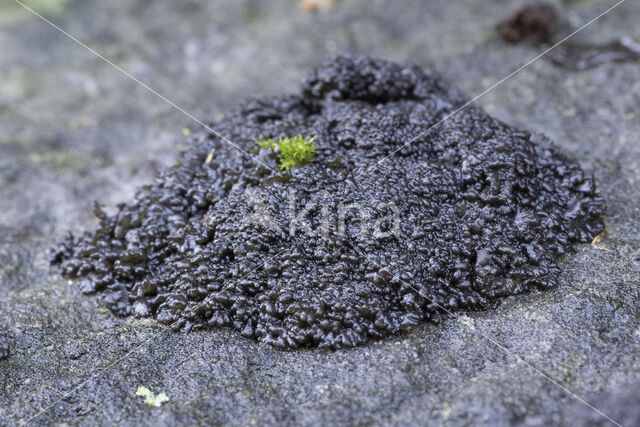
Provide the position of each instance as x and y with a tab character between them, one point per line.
469	212
5	346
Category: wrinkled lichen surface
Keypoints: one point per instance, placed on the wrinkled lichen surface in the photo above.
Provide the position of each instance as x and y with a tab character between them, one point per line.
484	210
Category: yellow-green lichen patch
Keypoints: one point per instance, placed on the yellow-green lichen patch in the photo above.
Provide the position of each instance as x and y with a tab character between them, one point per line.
150	398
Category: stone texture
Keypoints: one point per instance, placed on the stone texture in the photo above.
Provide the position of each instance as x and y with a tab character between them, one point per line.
72	128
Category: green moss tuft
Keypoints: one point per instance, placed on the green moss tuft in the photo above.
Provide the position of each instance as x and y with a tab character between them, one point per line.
295	151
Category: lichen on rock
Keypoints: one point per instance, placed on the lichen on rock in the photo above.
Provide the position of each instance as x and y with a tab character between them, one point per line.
484	210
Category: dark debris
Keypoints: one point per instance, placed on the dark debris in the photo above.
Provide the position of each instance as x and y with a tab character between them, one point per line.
534	23
584	56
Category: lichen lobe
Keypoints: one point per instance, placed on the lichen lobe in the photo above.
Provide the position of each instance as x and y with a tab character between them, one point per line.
485	210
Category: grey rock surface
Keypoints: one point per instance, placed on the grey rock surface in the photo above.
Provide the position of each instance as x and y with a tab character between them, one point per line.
74	129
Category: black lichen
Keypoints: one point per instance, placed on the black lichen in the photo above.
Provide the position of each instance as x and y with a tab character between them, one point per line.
484	211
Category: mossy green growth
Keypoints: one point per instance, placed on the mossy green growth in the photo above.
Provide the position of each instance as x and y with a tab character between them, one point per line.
292	151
